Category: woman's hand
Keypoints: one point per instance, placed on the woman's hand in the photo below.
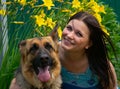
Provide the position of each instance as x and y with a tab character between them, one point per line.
14	85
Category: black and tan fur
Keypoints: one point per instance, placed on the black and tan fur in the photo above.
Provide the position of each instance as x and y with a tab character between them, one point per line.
39	52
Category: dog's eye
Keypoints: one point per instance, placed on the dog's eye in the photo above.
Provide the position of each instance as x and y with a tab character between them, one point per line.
34	47
48	46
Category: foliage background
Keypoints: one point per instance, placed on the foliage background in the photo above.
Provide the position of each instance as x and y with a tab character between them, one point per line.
32	18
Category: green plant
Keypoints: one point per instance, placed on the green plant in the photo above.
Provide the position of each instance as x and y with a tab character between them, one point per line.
34	18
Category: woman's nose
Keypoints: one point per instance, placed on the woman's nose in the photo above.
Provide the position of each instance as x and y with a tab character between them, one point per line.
71	35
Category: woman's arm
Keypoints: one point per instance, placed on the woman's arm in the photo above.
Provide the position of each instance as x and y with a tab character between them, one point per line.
114	76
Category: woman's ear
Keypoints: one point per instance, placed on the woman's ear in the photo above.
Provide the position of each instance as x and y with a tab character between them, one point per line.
89	45
86	47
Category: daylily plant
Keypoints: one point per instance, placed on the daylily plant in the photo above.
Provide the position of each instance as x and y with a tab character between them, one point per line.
34	18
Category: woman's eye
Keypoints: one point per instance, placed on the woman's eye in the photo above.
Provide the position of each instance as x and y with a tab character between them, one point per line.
69	28
78	34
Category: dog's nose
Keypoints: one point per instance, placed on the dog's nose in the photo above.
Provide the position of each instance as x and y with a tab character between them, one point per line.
45	60
44	57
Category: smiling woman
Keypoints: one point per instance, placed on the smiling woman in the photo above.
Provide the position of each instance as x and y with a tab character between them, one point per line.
84	67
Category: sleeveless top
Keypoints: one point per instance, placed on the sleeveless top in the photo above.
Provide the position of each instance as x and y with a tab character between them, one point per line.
86	80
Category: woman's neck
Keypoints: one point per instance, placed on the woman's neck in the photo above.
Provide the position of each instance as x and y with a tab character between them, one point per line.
74	62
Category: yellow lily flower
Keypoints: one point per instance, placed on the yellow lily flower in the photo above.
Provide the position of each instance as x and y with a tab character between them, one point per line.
2	12
39	20
75	4
98	16
102	9
50	23
59	32
48	4
22	2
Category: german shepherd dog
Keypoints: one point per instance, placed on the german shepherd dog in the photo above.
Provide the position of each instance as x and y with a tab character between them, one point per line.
40	64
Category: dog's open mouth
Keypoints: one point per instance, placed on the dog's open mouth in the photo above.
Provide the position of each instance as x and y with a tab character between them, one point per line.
44	74
42	67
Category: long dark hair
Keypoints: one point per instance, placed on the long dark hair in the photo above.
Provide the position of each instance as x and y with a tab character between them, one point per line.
97	53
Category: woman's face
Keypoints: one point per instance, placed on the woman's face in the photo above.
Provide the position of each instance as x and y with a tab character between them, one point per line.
75	36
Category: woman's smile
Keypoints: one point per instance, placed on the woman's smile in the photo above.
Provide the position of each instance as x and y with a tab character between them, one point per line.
68	42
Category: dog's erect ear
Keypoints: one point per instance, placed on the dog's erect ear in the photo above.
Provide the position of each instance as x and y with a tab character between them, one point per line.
22	43
54	33
21	46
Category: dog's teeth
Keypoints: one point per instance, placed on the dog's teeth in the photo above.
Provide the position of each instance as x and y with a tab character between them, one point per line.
38	68
52	75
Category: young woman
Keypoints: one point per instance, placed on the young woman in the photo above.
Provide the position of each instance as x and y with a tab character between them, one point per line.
84	56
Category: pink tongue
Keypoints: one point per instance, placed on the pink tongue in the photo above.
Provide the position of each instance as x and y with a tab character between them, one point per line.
44	74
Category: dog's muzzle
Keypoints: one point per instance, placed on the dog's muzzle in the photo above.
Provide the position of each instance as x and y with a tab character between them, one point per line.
41	64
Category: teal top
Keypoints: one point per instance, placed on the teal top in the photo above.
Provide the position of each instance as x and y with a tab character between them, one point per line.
87	80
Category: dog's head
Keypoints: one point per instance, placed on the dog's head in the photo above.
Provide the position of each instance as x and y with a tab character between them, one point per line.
40	60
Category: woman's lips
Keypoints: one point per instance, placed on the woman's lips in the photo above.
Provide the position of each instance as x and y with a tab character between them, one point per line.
68	42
